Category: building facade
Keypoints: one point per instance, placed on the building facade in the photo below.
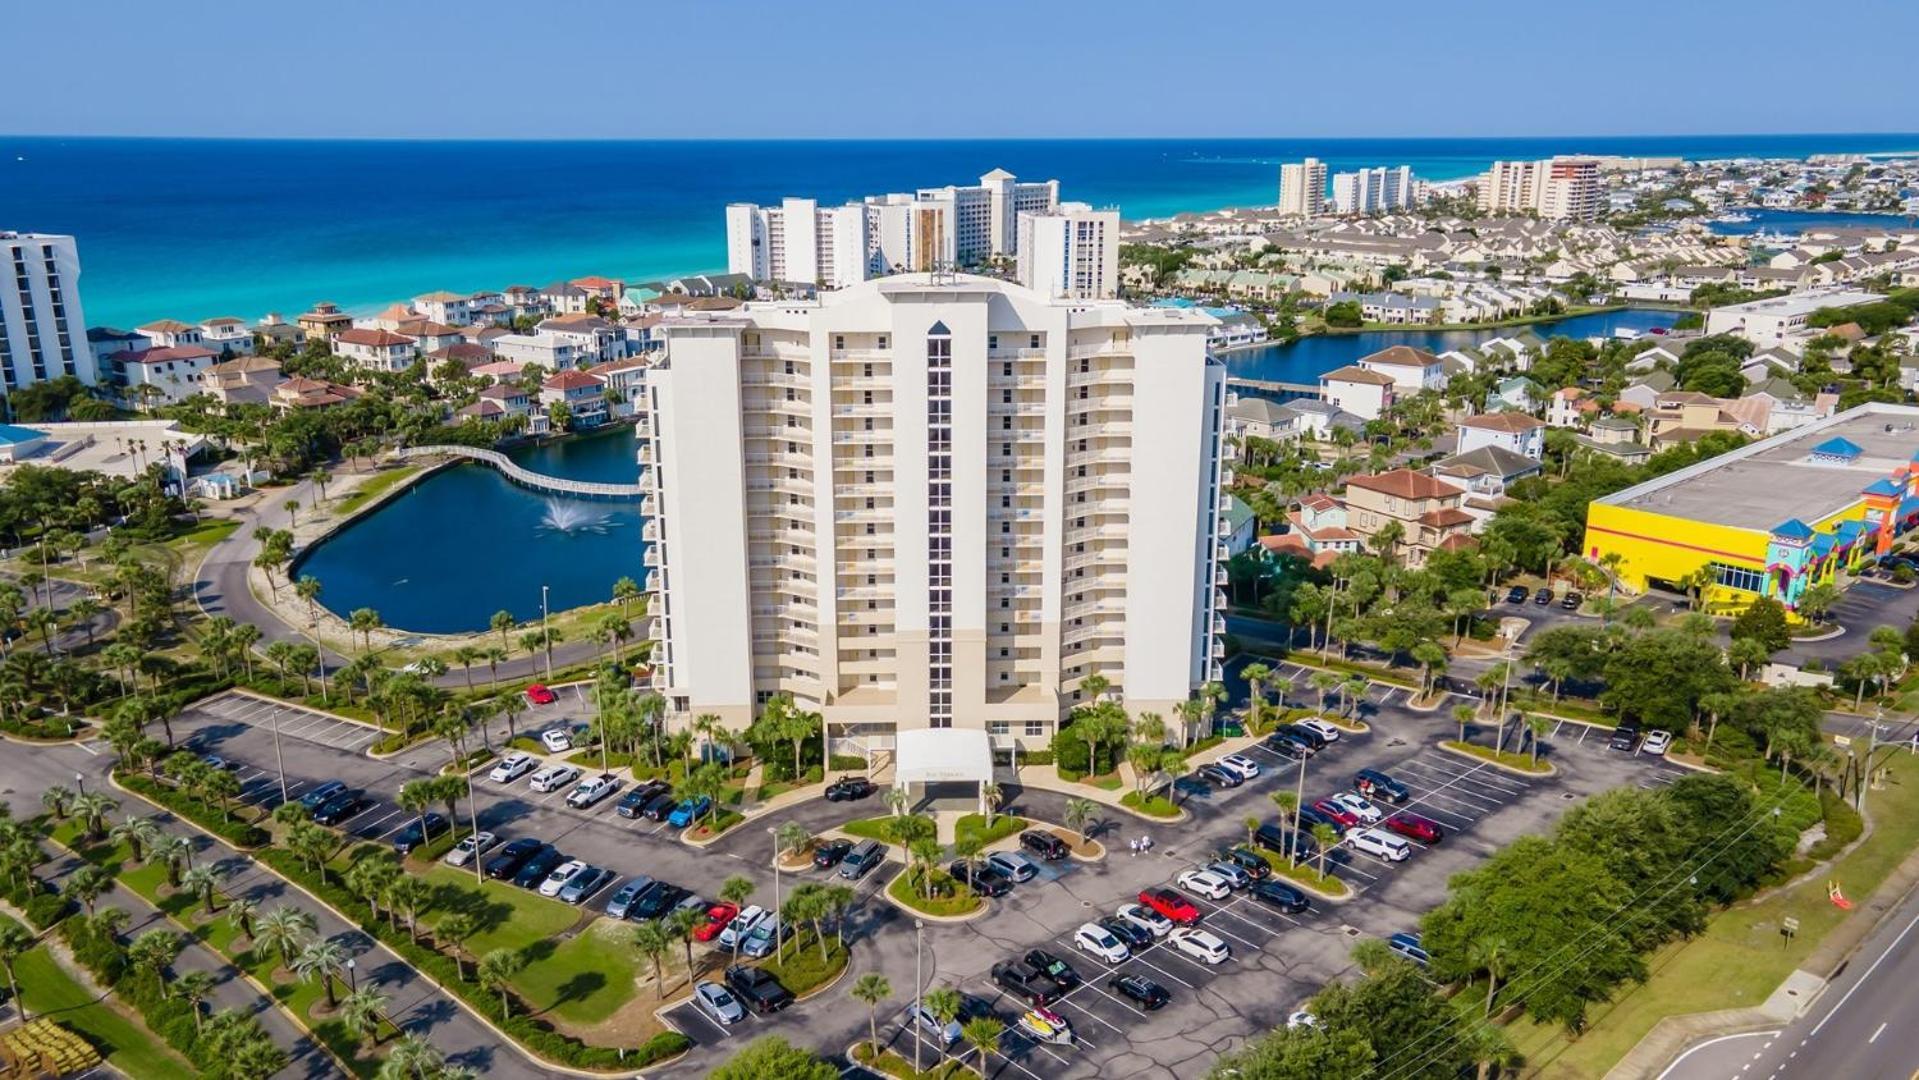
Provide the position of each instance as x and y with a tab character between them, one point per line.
1376	190
1302	188
1559	187
1071	252
955	500
43	332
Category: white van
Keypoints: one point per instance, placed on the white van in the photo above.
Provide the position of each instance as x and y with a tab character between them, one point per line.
1386	846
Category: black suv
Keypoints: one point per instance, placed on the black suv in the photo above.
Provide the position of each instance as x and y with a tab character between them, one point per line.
1286	746
1625	737
1052	967
1140	990
634	801
758	987
341	806
1516	595
1023	982
1280	895
535	869
1274	838
1312	740
983	879
511	857
850	788
1377	785
1246	859
419	832
1134	935
1044	844
828	853
660	807
656	901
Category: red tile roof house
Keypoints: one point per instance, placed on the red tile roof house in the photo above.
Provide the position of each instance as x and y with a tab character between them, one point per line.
164	376
376	350
583	394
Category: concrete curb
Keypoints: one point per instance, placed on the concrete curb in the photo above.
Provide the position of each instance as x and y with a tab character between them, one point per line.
886	894
1549	771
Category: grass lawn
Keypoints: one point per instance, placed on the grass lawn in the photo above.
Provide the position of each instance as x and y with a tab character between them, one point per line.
126	1043
892	1064
1152	805
586	978
1505	758
508	918
974	825
1306	873
949	898
873	828
372	487
1104	781
804	968
1739	960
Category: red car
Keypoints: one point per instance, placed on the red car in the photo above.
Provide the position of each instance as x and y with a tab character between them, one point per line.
1170	904
1414	827
1346	818
538	694
717	917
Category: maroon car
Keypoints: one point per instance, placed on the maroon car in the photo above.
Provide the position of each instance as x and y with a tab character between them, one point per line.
1346	818
1414	827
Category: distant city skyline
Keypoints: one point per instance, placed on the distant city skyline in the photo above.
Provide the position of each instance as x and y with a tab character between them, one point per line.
1112	70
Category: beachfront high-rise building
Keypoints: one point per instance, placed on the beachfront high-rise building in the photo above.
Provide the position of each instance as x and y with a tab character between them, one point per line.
43	333
933	501
1302	187
1559	187
1072	252
835	246
1373	191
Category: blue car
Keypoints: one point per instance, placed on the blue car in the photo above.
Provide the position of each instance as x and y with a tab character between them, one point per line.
689	811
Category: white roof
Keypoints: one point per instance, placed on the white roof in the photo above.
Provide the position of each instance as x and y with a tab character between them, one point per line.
933	755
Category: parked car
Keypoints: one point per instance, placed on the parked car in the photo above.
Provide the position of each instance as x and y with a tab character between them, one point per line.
1321	728
1280	895
534	870
1407	945
1234	876
1414	827
623	897
717	918
1359	807
1658	741
1516	594
1382	845
592	790
865	856
1572	601
511	857
635	800
1101	942
538	694
215	761
1204	883
1377	785
1173	906
719	1003
1024	982
1200	945
661	806
1287	745
1052	967
556	740
471	847
919	1016
828	853
312	799
1309	817
981	878
758	987
1044	844
1285	841
1140	990
663	897
1220	776
689	811
340	806
581	886
1542	596
1625	737
1246	767
1341	817
1015	866
418	832
1134	935
553	778
760	942
1311	737
1148	919
742	925
1248	860
512	767
850	789
557	877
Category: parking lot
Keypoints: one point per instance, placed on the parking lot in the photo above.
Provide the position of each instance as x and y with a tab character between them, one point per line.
1278	959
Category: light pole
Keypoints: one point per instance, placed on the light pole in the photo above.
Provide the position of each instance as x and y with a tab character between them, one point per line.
473	814
279	759
779	938
546	639
352	980
80	779
919	981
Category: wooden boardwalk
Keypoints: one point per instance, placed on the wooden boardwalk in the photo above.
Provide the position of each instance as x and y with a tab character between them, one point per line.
585	489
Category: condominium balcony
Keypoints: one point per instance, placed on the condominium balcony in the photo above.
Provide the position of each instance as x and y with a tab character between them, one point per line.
1219	624
805	563
775	378
652	557
1102	456
1227	476
1112	376
1219	576
656	629
649	506
1218	649
793	461
862	382
655	581
838	355
650	532
1104	348
856	438
1016	408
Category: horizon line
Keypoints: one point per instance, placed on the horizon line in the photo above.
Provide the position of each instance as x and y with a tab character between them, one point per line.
955	138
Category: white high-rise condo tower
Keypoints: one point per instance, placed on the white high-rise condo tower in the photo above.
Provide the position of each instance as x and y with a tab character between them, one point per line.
934	501
1302	188
1072	251
43	333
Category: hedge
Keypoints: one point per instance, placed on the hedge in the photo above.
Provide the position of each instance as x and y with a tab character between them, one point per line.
1843	826
204	814
42	906
529	1032
52	729
845	762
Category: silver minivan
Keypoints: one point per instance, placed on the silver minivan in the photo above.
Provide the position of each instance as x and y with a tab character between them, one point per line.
866	856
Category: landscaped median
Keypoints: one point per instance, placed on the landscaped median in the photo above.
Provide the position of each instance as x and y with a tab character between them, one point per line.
942	899
1505	760
47	990
1324	886
892	1064
1153	806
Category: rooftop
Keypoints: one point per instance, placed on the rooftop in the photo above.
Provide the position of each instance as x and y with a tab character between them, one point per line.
1760	485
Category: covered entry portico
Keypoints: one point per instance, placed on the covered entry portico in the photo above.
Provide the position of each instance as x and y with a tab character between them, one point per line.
945	756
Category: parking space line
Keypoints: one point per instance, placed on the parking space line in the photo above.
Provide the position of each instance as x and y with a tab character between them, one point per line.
1140	957
725	1032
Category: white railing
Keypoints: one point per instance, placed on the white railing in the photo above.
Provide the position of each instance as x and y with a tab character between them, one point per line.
526	477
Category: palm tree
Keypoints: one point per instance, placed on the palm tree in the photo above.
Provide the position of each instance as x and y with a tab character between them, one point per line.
1079	814
1537	726
87	884
364	621
1327	838
93	808
896	800
56	799
1324	682
200	882
991	795
502	623
240	912
285	930
792	838
871	989
137	834
361	1013
194	987
416	1058
496	972
1463	715
1487	954
1255	675
654	940
415	796
322	959
15	940
983	1033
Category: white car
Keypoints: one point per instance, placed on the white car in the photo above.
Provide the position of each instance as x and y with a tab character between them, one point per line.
1204	883
1383	845
556	740
1101	942
1200	945
554	777
592	790
743	924
1357	805
1246	767
466	850
561	874
1657	742
512	767
1320	728
1146	919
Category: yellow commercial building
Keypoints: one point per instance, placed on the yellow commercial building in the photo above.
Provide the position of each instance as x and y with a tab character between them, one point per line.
1770	519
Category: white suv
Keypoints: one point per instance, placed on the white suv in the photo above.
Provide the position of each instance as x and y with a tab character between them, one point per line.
1101	942
1246	767
1201	945
512	767
554	777
1383	845
1204	883
1321	728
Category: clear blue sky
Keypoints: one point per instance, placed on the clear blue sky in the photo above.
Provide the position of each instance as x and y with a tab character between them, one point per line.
984	68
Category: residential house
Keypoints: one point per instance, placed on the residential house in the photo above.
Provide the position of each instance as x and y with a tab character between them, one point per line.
1318	532
1616	437
583	395
595	340
445	307
1319	419
274	330
376	350
1411	370
107	343
165	375
243	380
324	322
1683	416
300	392
1570	407
1257	418
564	298
226	335
1426	510
1391	308
1487	470
550	351
1518	393
1644	391
499	402
625	378
1365	394
170	334
1241	525
1511	431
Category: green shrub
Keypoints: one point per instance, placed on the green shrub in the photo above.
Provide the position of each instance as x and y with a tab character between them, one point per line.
46	908
804	969
1843	826
847	762
204	814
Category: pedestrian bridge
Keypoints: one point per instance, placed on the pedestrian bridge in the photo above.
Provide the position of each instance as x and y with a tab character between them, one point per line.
513	471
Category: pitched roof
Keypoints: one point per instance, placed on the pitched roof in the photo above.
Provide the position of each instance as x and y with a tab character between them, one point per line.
1487	461
168	326
1401	356
362	336
1445	517
569	380
1512	423
1351	374
1838	446
161	356
1405	484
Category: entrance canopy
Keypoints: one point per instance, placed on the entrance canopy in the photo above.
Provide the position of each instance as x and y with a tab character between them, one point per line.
933	755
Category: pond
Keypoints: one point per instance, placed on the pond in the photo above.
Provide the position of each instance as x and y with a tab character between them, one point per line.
447	553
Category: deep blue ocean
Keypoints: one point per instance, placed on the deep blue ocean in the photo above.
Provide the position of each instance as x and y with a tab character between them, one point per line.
190	229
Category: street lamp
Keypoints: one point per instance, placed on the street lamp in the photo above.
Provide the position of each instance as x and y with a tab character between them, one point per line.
919	982
81	780
779	939
546	639
353	981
